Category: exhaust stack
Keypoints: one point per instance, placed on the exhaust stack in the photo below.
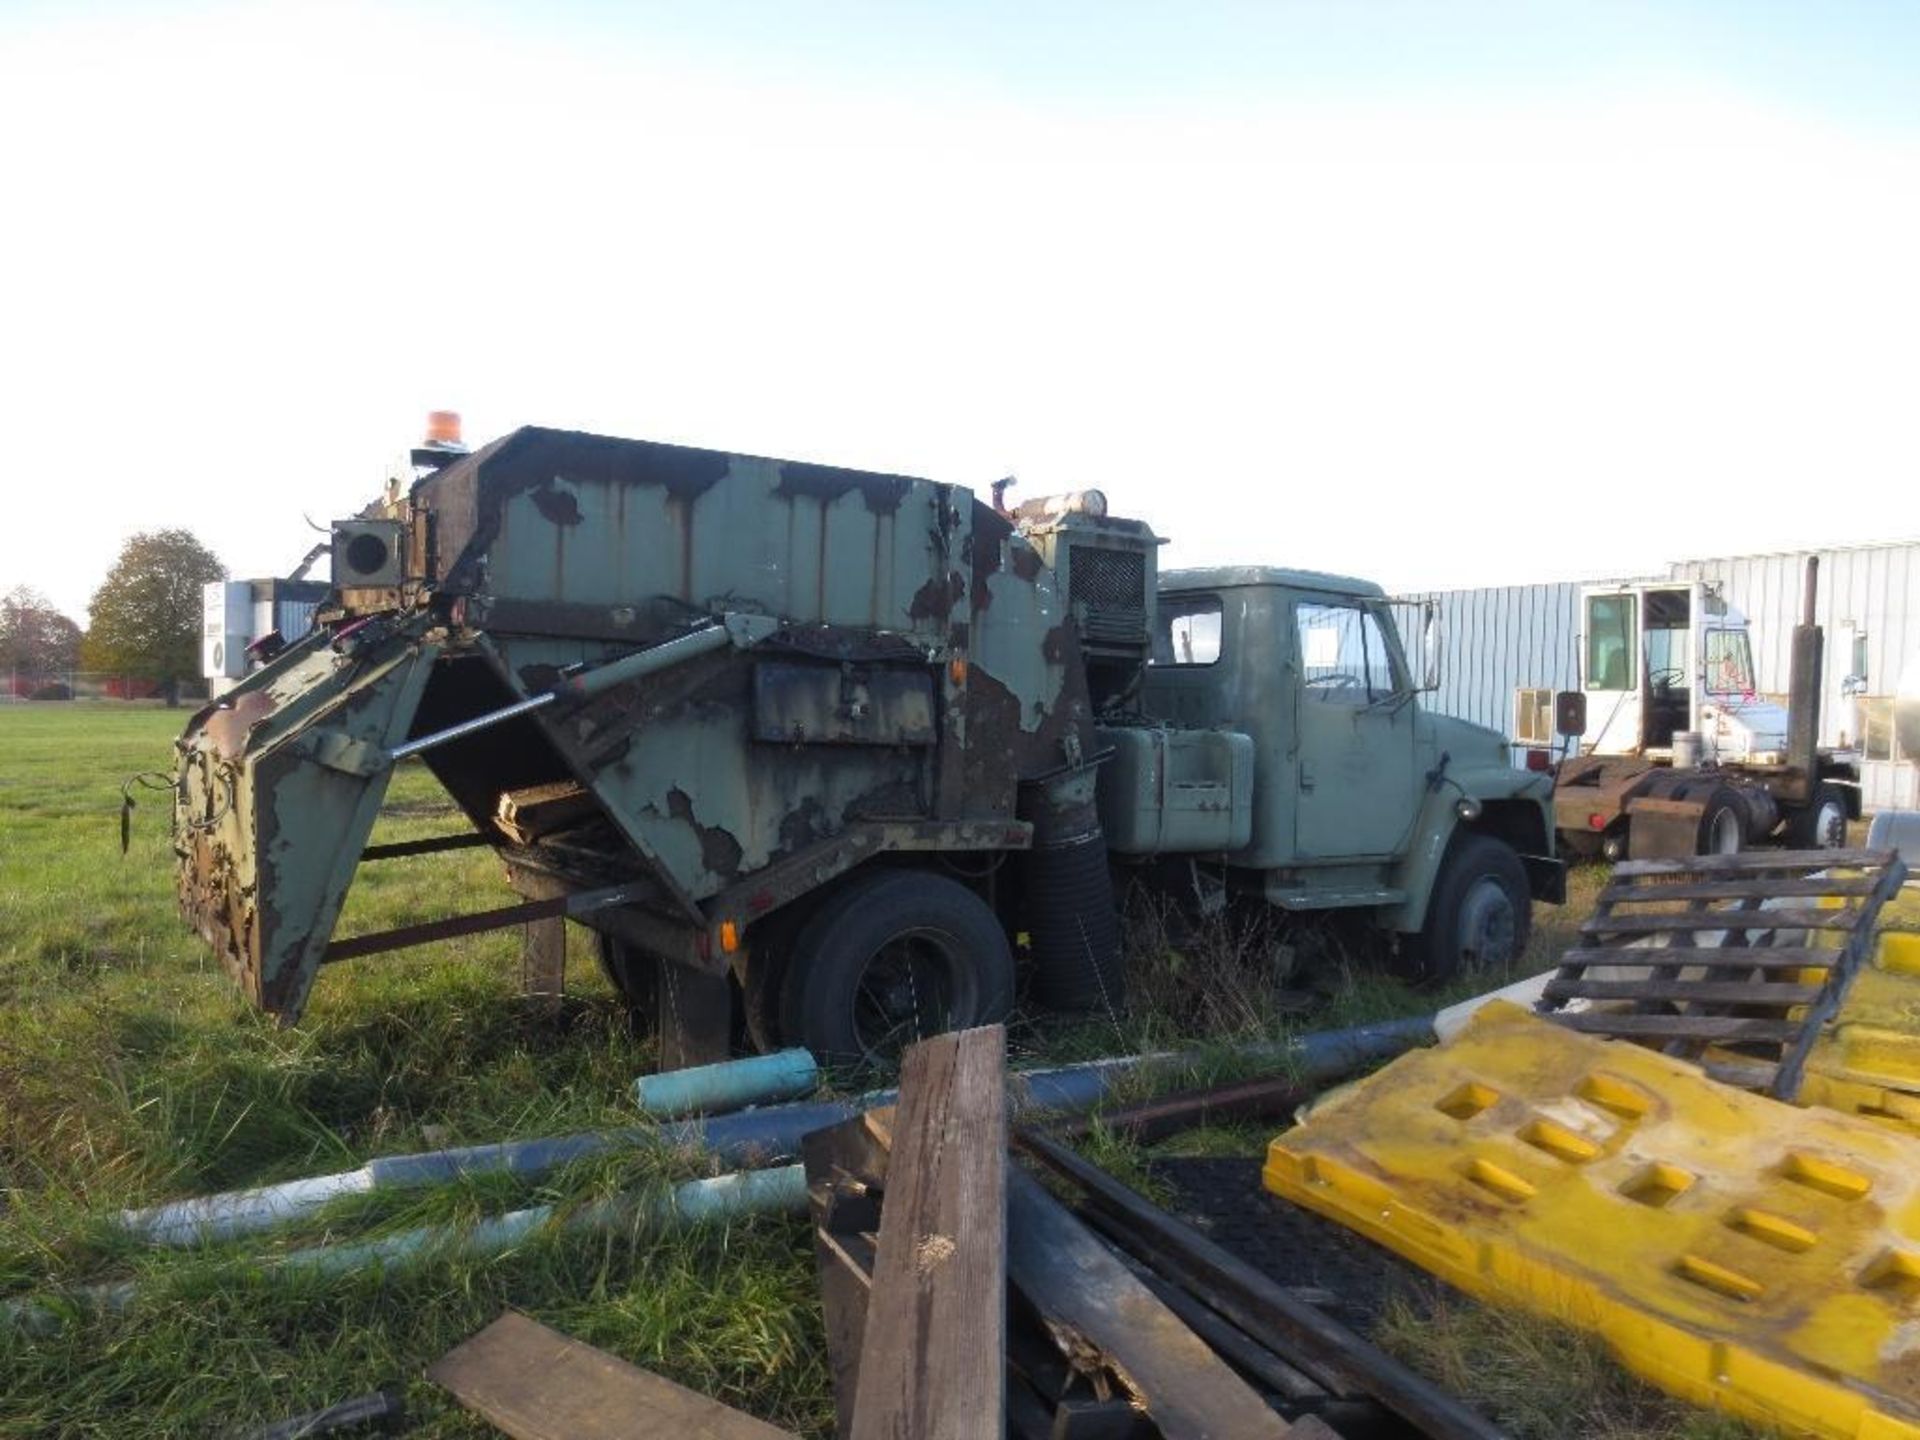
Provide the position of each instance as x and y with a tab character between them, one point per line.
1803	688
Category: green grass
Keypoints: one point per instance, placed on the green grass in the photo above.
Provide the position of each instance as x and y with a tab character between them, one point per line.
131	1071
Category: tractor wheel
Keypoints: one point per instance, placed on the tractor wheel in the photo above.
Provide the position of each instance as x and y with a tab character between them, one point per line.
1823	824
894	957
1480	914
1723	824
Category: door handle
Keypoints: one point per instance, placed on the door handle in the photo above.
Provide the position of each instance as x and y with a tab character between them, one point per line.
1306	776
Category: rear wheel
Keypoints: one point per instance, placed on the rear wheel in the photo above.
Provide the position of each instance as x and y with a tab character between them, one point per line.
1723	824
893	958
1481	913
1823	824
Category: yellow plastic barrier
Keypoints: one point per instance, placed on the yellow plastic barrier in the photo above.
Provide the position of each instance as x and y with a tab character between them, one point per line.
1868	1061
1738	1252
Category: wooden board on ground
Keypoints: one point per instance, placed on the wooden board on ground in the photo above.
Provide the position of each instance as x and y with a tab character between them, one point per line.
1083	1290
537	1384
846	1174
932	1357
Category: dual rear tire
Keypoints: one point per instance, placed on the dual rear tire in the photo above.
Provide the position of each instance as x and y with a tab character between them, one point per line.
889	958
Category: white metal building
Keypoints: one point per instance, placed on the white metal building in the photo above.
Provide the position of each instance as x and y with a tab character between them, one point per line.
1497	639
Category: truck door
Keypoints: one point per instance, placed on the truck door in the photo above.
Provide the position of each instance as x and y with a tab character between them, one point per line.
1613	674
1355	720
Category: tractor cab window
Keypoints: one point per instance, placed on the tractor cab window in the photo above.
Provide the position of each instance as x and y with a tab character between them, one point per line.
1187	631
1729	663
1612	663
1344	659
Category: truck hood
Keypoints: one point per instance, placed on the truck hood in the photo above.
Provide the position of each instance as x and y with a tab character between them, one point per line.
1739	729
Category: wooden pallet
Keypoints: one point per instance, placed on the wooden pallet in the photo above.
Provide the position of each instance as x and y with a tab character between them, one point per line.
1749	953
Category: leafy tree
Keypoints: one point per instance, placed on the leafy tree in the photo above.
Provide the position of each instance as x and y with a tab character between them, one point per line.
145	617
35	638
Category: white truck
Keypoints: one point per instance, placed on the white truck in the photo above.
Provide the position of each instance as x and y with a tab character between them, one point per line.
1667	748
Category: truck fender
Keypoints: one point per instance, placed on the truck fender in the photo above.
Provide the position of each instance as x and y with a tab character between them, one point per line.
1504	809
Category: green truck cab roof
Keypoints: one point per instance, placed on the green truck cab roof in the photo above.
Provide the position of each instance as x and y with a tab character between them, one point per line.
1225	577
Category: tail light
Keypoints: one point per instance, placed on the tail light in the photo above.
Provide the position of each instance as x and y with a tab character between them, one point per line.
1539	761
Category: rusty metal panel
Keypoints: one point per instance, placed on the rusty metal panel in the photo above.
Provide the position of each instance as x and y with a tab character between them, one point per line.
841	705
277	794
589	520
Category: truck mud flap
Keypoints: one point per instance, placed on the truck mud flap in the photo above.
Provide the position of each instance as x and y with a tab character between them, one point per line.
278	787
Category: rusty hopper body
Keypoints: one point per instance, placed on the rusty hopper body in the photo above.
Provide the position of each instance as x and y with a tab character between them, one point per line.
853	665
830	751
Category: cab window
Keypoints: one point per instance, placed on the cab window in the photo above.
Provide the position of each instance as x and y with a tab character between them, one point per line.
1611	661
1187	631
1344	659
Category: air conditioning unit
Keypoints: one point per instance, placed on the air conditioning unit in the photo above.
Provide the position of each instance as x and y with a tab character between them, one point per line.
226	628
1533	716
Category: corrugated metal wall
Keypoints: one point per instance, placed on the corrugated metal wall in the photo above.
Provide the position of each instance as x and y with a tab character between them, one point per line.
1495	640
1866	591
1498	639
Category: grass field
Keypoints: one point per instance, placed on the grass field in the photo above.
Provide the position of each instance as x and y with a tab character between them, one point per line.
131	1072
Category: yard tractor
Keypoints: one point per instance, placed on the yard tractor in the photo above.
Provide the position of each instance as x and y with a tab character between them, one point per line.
1671	749
834	757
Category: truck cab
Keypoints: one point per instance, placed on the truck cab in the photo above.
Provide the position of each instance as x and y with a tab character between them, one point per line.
1353	795
1671	749
1673	659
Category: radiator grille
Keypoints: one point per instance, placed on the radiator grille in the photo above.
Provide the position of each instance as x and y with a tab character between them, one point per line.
1109	589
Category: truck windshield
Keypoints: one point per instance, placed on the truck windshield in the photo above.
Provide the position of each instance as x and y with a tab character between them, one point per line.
1729	663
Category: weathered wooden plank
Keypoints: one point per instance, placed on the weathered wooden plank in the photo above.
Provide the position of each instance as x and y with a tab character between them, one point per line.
846	1171
543	956
1264	1310
1793	1058
1716	957
933	1356
1691	1027
527	815
1784	888
1079	1286
1776	919
537	1384
1698	992
1756	862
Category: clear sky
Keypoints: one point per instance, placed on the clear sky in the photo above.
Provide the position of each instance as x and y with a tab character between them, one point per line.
1442	293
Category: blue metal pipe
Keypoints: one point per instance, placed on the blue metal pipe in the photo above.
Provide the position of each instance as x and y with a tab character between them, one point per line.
722	1197
729	1085
747	1138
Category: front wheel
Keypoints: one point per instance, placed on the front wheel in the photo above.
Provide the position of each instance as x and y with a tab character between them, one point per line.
893	958
1823	824
1480	915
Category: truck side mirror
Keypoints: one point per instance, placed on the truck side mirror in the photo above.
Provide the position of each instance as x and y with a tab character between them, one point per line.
1429	645
1856	681
1570	714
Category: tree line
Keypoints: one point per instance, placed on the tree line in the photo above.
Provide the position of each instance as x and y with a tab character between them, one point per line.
144	619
